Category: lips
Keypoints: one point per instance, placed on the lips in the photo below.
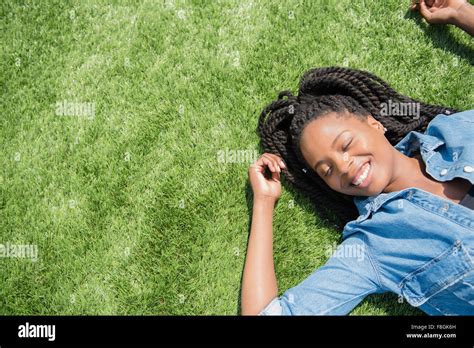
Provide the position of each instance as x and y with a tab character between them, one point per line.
362	175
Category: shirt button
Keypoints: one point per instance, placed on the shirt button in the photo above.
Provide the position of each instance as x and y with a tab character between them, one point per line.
468	169
445	171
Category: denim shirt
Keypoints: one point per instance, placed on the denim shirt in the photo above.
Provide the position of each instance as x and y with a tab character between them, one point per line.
410	242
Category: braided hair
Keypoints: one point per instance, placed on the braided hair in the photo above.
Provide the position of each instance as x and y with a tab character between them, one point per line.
324	90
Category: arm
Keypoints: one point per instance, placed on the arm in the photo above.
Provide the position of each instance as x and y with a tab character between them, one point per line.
259	285
457	12
465	19
335	288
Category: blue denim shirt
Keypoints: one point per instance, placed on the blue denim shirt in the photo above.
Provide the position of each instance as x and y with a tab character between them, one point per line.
410	242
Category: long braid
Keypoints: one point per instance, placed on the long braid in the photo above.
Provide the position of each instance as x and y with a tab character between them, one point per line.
332	89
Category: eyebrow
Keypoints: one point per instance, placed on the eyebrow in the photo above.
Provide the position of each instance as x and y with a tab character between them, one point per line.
332	145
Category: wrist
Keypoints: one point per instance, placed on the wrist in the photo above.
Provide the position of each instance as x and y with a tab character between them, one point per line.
264	200
463	15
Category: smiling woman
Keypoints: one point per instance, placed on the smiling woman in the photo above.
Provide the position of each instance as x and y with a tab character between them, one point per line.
333	143
302	130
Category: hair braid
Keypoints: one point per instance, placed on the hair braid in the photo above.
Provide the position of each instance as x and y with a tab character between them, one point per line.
332	89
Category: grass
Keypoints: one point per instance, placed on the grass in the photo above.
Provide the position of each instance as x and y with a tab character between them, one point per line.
130	210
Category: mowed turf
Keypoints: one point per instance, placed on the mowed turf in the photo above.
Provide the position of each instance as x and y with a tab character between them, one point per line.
132	207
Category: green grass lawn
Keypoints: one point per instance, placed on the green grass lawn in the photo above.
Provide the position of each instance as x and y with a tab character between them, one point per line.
130	208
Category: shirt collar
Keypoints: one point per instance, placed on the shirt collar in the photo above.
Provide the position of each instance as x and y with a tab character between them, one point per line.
415	140
409	144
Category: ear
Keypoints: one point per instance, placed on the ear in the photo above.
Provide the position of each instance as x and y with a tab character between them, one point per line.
372	122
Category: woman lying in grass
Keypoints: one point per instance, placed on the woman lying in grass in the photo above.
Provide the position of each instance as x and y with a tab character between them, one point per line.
396	172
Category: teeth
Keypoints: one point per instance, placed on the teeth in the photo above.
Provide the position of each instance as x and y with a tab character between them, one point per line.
361	178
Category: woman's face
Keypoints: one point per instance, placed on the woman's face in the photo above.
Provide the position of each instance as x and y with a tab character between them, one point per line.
350	153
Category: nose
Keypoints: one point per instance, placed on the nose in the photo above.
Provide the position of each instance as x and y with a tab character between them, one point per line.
343	162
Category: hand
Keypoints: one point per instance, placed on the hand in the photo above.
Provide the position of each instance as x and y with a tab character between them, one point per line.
261	186
439	11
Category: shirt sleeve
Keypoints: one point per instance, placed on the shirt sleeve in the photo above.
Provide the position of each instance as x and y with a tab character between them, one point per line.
335	288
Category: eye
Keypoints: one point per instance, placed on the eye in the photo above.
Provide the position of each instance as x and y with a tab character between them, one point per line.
347	145
328	172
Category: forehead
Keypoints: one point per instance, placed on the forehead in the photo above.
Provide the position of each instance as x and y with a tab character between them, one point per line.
319	133
331	124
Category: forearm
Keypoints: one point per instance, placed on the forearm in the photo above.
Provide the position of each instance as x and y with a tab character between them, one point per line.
259	284
465	18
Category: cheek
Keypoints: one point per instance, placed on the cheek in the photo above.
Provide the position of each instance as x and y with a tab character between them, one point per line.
369	145
334	183
383	166
377	148
380	150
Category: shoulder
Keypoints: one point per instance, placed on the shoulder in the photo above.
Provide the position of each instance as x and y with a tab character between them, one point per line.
454	130
464	116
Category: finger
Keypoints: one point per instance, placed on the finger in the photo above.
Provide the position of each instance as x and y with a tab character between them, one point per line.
269	163
278	160
273	162
276	176
260	164
257	168
262	161
270	155
432	9
425	12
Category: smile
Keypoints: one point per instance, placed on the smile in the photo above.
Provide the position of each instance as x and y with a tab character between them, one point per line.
360	179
